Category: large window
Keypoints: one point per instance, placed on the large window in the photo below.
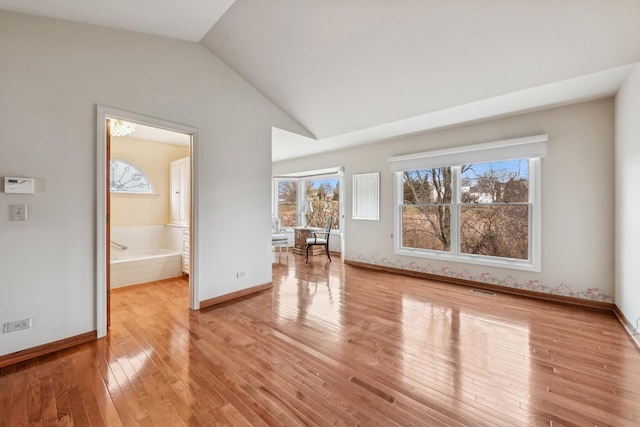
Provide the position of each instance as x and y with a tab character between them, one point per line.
308	201
485	212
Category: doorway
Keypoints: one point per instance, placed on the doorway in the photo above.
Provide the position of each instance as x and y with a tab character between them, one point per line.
106	144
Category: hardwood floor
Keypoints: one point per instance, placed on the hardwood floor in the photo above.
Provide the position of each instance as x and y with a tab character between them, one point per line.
331	344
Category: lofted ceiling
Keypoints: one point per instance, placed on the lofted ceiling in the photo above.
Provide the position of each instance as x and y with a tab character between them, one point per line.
358	71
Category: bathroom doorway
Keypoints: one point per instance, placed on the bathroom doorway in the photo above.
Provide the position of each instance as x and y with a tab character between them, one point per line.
145	204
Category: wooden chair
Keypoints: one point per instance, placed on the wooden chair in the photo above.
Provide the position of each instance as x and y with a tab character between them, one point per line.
320	241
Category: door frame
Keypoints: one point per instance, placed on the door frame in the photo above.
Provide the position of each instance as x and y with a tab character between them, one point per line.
103	113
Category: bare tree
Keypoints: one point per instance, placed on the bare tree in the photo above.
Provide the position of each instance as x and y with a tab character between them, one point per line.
493	228
287	201
430	190
325	202
496	228
287	191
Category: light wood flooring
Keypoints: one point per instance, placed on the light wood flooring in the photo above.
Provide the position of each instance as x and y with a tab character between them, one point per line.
335	345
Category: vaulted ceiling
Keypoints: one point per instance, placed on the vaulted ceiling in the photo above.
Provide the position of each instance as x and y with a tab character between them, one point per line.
357	71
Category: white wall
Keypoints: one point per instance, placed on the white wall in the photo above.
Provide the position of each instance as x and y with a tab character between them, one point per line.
577	199
52	75
627	179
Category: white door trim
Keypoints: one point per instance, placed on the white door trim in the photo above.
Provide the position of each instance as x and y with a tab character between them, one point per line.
101	196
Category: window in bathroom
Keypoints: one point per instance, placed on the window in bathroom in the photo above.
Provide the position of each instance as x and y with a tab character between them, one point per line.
126	177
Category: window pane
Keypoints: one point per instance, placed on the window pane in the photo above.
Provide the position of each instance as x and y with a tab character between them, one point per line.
426	227
323	201
126	177
497	230
427	186
287	203
495	182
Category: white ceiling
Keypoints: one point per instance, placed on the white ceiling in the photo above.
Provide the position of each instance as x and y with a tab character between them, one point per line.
358	71
150	133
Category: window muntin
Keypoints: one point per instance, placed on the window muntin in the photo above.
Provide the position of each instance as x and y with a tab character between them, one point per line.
493	217
125	177
426	209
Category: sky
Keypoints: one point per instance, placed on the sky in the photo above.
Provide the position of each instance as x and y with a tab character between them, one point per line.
519	166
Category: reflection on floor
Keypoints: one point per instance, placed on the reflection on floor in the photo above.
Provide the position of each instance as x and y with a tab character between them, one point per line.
331	344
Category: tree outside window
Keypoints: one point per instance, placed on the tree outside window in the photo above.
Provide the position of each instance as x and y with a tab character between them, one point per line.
287	203
493	212
323	201
426	209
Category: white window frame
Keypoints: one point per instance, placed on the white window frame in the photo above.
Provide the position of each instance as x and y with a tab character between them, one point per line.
301	180
532	148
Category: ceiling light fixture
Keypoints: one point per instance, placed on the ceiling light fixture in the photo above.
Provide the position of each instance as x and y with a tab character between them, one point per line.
120	128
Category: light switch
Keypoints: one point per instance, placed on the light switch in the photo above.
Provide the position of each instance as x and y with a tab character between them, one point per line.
18	212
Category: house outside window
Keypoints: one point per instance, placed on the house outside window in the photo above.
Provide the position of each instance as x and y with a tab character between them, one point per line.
494	209
485	212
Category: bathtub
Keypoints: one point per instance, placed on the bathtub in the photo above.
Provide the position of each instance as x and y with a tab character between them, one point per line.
130	268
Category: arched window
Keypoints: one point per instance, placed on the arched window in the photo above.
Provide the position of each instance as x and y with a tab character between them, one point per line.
128	178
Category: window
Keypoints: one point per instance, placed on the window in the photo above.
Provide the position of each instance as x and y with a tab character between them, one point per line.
485	212
287	203
426	209
127	178
322	201
309	199
494	209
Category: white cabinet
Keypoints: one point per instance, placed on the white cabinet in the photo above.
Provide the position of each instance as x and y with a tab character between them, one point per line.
186	253
180	191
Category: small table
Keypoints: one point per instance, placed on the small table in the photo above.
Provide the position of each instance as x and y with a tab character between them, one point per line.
300	241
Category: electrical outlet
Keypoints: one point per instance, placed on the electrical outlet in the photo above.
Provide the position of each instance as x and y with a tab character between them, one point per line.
17	325
18	212
240	274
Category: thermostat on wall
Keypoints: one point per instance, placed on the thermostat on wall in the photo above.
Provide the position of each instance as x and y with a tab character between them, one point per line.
19	185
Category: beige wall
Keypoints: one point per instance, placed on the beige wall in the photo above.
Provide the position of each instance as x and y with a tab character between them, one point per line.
577	199
154	159
627	205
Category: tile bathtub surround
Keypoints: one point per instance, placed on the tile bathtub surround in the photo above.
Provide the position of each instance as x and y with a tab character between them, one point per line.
140	238
136	271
